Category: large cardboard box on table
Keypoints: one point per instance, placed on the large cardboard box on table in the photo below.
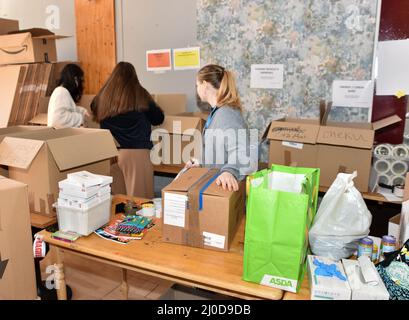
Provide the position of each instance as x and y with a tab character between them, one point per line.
198	213
17	275
43	158
171	103
178	139
7	25
28	46
333	147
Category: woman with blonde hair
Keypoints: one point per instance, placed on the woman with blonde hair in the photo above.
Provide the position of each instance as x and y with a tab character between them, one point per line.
127	109
226	136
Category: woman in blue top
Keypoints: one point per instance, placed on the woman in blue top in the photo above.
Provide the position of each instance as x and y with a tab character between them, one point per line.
226	136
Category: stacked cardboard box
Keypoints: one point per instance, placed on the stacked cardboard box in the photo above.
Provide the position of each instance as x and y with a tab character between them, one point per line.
84	202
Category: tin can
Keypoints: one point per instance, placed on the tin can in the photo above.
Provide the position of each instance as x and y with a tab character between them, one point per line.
365	248
375	253
388	244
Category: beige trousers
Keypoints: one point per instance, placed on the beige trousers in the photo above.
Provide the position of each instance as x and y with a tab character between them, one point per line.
137	173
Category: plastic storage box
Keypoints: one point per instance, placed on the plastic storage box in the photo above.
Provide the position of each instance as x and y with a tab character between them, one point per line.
81	221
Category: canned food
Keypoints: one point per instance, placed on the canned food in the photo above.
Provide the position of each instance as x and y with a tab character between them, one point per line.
365	247
375	252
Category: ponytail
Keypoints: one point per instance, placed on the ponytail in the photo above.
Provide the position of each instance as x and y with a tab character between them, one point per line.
228	95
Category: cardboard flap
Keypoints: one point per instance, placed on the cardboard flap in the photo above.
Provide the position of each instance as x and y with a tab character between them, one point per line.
386	122
179	124
14	43
346	136
302	131
19	153
39	33
187	180
77	150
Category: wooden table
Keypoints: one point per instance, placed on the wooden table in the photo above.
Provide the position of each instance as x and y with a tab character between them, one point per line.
215	271
40	221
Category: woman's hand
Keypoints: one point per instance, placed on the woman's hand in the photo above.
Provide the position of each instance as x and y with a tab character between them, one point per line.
192	163
228	182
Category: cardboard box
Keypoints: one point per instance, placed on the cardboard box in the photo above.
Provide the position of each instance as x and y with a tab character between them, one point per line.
172	103
7	25
28	46
394	226
333	147
176	137
293	142
362	290
18	281
43	158
327	288
209	220
41	119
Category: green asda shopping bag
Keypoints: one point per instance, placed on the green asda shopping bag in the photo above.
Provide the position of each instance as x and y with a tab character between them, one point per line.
281	206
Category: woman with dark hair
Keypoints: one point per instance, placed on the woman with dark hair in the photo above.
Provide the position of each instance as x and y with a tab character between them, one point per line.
125	108
62	109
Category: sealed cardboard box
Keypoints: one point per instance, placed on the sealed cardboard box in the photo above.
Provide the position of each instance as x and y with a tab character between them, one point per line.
7	25
28	46
198	213
17	275
43	158
293	142
178	139
328	280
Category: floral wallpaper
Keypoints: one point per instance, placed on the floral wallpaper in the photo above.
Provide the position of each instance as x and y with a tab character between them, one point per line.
317	41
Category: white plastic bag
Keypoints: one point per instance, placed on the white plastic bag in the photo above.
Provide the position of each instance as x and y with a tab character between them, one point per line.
341	221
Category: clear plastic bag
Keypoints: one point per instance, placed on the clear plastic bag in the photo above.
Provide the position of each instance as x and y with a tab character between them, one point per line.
341	221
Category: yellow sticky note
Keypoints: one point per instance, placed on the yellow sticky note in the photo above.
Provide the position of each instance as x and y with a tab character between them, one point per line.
188	58
400	93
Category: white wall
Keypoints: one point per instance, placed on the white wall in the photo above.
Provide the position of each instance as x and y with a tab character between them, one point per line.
157	24
56	15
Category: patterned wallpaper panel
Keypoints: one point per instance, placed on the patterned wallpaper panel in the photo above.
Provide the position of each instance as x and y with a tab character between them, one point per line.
317	41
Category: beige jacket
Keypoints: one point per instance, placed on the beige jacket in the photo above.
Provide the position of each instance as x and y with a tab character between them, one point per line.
62	111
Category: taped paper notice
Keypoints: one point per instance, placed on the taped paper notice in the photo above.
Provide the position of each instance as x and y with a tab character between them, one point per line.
267	76
158	60
174	212
356	94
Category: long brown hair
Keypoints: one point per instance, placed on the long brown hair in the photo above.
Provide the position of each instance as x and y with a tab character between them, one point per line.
122	93
224	81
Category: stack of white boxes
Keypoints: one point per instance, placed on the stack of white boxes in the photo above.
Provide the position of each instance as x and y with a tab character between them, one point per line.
84	202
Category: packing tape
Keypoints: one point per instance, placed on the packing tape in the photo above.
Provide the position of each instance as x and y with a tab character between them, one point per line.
383	178
399	168
400	151
383	150
382	166
399	191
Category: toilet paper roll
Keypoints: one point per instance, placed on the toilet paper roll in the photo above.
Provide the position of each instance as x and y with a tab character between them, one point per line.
383	150
383	178
399	168
398	181
382	166
400	151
